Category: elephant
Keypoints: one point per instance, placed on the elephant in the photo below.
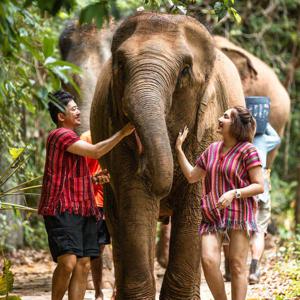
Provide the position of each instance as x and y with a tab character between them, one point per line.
165	72
88	48
259	80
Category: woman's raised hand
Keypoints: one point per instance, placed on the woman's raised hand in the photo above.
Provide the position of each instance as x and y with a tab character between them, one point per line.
181	137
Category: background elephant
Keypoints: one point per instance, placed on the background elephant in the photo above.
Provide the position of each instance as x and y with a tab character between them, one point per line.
165	72
259	80
88	48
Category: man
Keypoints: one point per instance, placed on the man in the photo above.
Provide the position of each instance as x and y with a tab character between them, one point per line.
99	177
67	200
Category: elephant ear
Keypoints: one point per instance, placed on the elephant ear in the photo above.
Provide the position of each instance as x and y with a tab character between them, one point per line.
240	57
101	108
106	113
201	45
124	31
224	90
213	103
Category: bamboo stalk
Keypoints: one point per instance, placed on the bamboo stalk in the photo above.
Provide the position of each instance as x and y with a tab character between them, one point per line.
23	189
18	206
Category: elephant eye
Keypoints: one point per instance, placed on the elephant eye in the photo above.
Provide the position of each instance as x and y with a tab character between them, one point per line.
185	77
185	71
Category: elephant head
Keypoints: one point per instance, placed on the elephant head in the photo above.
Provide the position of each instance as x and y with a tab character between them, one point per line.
162	76
88	48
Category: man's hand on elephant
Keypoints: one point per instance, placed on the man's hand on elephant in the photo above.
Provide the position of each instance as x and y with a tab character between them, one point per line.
127	129
181	137
226	199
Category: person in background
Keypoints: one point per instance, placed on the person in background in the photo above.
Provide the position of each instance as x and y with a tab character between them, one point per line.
232	176
99	177
264	144
67	201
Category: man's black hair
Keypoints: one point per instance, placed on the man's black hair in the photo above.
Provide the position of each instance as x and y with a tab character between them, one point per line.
58	103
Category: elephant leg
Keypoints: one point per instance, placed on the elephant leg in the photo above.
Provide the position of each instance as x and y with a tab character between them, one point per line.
162	247
134	237
182	278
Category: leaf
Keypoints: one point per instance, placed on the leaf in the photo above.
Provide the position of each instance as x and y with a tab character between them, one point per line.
220	10
95	12
15	152
7	279
237	18
51	61
48	46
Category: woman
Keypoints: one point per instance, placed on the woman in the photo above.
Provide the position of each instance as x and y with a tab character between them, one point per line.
232	174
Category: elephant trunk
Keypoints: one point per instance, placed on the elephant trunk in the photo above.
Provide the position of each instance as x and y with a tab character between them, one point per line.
145	108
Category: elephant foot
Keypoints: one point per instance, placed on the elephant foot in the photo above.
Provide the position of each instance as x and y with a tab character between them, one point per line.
176	294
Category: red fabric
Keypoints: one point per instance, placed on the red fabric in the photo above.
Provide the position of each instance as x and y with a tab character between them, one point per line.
94	168
67	184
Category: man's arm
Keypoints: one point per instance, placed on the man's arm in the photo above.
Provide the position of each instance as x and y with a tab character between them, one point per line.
98	150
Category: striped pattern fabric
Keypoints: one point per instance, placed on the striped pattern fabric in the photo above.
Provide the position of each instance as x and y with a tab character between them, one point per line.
225	172
67	184
94	168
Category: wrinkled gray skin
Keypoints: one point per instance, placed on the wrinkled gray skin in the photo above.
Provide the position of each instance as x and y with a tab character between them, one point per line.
164	73
88	48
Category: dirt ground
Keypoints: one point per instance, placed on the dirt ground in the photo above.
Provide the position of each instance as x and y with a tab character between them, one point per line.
33	270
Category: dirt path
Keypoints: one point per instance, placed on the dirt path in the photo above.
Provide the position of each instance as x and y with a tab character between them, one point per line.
33	271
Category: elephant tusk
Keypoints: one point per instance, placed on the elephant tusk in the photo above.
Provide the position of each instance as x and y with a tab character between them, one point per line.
138	143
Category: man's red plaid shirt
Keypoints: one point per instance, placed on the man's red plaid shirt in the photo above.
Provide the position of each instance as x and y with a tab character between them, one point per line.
67	184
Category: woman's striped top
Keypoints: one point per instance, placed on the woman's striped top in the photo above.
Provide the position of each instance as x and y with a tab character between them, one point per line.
224	172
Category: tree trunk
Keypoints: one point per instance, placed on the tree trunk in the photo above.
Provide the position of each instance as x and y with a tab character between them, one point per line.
297	208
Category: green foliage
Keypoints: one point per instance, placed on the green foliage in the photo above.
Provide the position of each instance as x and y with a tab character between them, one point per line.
96	13
20	157
224	7
30	68
53	6
288	266
4	229
35	234
6	279
283	194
